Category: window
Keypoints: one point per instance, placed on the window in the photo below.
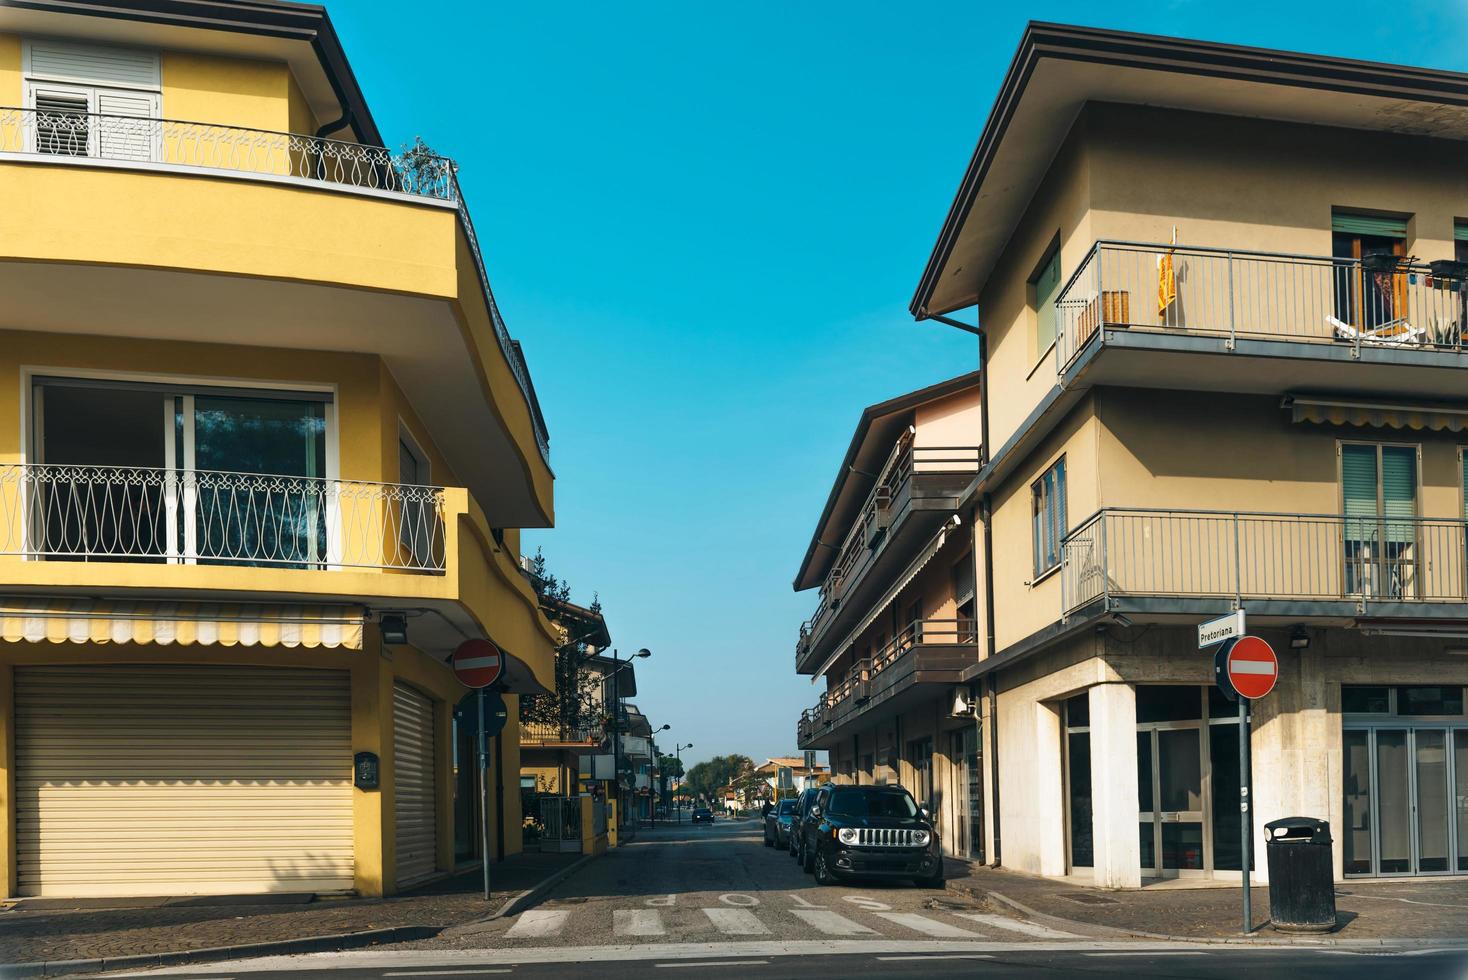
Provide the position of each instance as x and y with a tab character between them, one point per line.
1460	240
893	803
1379	503
1048	507
1369	293
93	101
1044	287
1365	701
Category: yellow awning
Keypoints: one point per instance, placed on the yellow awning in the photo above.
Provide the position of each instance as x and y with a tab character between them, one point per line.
182	623
1326	411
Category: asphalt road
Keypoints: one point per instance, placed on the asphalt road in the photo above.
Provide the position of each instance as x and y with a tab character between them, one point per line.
712	901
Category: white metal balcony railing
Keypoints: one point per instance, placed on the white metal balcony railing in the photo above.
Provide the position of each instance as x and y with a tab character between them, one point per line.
1378	301
115	513
264	154
1308	557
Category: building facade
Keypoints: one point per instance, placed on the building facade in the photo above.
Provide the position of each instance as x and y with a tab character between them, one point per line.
1222	328
266	446
892	558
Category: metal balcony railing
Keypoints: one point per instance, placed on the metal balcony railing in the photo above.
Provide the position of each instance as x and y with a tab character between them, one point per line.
264	154
1378	301
542	732
854	685
875	518
123	513
1217	554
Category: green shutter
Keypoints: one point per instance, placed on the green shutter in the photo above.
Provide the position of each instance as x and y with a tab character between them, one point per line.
1358	490
1047	286
1399	492
1365	224
1460	231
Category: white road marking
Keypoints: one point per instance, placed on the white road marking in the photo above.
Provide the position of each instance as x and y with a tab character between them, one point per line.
937	956
745	901
866	904
637	922
803	903
663	901
831	923
539	922
716	963
927	926
1015	925
736	922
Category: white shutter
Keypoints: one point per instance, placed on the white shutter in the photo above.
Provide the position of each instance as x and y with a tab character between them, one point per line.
413	798
92	64
62	123
119	137
182	780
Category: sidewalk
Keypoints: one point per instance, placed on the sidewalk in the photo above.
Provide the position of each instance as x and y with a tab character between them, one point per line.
1402	909
34	930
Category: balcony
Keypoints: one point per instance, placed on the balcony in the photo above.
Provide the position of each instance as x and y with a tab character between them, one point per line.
929	651
142	514
552	734
1319	323
166	217
917	489
1289	565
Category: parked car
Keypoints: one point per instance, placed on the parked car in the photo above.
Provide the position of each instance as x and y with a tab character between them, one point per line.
870	832
777	823
797	822
703	814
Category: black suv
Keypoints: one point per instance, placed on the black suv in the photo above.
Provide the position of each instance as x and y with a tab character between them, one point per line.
797	822
869	831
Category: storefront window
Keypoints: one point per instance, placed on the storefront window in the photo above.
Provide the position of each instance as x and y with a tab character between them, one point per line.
1429	700
1365	700
1162	702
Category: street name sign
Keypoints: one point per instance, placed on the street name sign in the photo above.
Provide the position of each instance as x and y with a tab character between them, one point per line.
478	663
1223	628
1252	667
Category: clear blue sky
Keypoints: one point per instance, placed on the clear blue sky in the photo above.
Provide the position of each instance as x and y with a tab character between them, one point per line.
704	221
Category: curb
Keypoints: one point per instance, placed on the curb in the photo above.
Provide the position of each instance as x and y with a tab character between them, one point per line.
1060	922
521	901
311	944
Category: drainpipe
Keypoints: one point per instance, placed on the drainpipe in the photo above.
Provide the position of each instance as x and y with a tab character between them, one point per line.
986	515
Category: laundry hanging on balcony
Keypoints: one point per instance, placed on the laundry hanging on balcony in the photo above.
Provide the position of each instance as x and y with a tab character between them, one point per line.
1326	411
181	623
1166	279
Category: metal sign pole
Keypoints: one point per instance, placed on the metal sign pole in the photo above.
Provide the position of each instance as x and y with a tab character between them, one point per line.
1246	783
483	793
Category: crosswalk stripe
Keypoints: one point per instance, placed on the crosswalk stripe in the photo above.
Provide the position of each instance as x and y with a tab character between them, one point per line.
736	922
637	922
927	926
539	922
1015	925
831	923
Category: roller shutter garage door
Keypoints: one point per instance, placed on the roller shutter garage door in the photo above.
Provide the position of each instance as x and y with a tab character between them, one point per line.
413	800
182	780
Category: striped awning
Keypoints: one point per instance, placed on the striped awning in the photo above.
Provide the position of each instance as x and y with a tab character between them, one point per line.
181	623
1329	411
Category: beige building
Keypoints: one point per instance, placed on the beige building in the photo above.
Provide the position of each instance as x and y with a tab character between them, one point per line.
1223	327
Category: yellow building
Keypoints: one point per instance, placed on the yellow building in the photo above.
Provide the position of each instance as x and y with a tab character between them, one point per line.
265	450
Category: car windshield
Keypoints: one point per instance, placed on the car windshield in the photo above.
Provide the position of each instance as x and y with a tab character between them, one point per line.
787	806
865	803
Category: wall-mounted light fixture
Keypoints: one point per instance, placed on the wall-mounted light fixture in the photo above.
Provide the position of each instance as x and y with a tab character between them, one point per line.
1299	638
394	628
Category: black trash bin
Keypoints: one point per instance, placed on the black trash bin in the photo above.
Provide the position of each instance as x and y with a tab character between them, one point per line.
1301	880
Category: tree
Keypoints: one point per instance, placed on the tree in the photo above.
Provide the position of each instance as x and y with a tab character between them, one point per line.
576	703
670	767
423	170
721	770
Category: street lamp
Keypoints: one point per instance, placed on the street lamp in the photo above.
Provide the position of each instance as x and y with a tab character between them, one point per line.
617	721
652	808
678	754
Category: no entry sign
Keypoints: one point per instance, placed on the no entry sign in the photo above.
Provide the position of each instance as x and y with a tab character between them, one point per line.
478	663
1252	667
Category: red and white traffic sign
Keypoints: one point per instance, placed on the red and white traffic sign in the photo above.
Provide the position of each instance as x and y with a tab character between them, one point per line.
1252	667
478	663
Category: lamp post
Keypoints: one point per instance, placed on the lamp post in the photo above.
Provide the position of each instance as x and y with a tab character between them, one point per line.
657	773
617	722
678	754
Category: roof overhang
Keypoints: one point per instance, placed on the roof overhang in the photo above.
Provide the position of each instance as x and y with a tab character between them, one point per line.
876	433
1060	68
298	34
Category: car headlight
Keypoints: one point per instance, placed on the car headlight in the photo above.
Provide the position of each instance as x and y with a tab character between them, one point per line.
920	838
846	835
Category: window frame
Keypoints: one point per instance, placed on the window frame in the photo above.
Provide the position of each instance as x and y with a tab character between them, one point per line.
1056	520
1050	257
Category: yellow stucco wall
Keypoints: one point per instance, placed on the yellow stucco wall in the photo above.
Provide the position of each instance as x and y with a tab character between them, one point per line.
226	91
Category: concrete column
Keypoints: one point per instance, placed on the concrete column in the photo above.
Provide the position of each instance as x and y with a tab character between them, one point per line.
1296	748
1049	785
1114	786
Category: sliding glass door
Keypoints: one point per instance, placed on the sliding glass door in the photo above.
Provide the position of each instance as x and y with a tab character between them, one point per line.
148	472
